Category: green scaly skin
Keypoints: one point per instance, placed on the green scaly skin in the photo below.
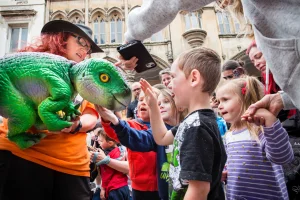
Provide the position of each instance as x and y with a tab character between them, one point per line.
35	86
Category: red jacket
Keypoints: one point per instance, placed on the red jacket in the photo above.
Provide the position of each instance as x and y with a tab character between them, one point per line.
142	165
111	178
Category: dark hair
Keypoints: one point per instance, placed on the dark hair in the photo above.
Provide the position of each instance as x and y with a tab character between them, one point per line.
232	65
103	134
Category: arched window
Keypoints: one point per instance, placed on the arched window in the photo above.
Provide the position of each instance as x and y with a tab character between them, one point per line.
77	19
116	29
59	17
99	30
224	23
192	20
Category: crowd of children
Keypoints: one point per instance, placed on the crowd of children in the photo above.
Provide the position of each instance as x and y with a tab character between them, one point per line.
191	137
174	154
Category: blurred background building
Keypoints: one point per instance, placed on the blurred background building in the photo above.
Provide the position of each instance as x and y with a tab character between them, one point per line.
22	20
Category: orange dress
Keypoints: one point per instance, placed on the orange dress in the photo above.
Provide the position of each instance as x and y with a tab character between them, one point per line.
63	152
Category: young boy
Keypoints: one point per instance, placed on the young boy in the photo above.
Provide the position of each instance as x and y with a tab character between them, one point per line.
114	183
199	154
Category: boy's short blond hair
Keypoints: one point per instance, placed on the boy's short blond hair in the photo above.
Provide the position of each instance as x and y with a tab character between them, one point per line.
207	62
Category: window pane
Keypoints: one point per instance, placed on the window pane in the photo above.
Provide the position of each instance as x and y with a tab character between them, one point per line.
237	26
112	32
226	22
199	20
14	39
102	31
222	31
102	38
157	37
220	21
102	26
119	31
96	31
195	23
187	22
24	37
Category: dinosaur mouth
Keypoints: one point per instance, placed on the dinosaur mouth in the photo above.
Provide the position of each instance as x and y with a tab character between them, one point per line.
119	101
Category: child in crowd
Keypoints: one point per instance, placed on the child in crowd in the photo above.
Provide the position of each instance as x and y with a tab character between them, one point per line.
255	154
142	164
214	103
143	141
199	154
114	183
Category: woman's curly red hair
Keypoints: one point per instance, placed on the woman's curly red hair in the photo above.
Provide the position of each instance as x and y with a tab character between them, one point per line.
54	43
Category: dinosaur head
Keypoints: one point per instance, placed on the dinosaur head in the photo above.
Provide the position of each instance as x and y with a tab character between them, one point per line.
101	83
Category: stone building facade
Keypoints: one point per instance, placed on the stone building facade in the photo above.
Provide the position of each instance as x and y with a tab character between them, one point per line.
206	27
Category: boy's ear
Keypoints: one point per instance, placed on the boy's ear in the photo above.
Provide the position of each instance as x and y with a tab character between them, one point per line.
195	78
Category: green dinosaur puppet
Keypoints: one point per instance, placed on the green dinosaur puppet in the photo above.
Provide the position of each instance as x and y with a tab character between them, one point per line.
34	87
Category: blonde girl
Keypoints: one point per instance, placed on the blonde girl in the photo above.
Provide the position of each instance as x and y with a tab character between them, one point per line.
255	153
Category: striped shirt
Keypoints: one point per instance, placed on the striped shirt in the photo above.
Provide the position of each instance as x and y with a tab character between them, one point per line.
254	168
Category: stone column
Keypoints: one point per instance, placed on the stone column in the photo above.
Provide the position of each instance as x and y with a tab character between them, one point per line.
47	11
86	13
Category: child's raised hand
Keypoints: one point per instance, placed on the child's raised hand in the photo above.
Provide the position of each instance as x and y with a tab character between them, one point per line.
107	115
150	95
262	117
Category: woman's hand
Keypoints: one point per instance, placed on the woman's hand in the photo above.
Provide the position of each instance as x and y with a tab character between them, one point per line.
71	128
127	64
271	102
262	117
107	115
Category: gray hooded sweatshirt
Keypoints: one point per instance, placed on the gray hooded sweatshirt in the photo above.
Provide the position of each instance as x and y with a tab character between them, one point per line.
276	25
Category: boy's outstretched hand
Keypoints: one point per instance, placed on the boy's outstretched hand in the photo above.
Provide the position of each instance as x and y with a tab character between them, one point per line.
150	94
107	115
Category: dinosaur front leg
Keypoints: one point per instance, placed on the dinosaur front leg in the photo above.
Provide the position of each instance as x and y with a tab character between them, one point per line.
60	96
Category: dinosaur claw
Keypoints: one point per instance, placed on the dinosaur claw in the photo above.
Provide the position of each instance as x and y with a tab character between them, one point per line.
77	112
77	106
68	118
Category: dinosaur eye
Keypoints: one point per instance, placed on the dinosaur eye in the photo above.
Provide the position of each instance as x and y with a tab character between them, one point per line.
104	78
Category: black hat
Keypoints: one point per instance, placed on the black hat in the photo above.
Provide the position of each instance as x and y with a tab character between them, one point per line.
65	26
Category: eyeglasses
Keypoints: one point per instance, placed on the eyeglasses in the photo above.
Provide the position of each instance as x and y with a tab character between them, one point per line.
82	42
228	77
136	89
